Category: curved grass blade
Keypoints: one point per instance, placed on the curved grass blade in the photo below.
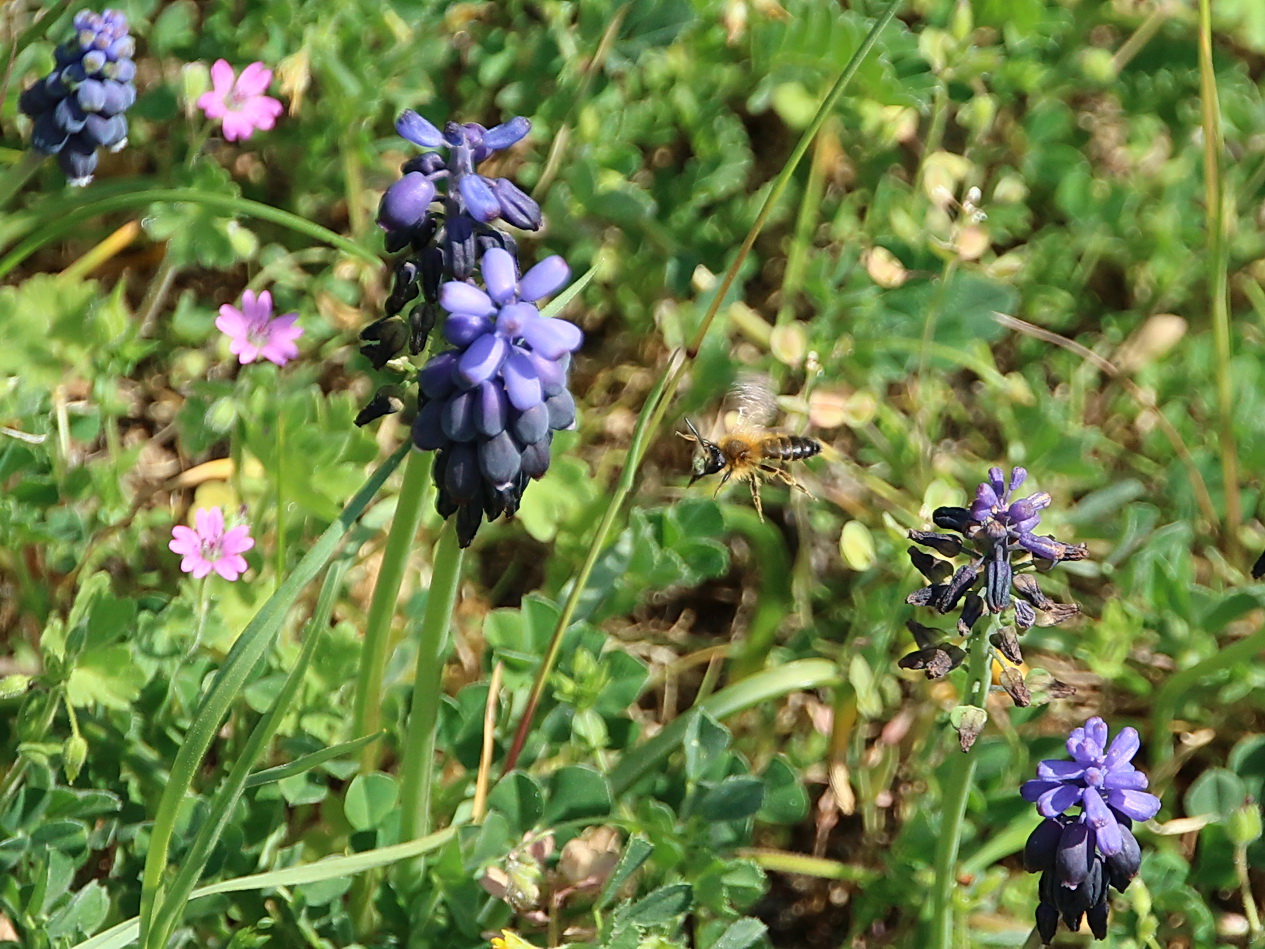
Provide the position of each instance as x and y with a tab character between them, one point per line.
231	679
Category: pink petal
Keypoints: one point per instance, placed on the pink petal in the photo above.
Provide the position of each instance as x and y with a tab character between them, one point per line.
198	566
212	104
184	541
232	321
231	567
237	540
222	77
237	126
210	522
254	80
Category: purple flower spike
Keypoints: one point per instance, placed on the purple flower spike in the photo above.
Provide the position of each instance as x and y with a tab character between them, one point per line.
1080	856
208	546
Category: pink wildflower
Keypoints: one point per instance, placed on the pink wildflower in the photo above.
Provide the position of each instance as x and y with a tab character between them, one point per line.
254	332
210	547
240	101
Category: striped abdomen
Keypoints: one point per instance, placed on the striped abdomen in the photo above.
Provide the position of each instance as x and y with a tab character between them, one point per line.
789	447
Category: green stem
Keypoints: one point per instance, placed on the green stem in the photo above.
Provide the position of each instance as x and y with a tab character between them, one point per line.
418	769
656	405
72	220
227	686
1245	891
1218	291
19	174
953	803
279	486
367	704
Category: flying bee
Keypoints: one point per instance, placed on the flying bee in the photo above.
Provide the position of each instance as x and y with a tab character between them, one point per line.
750	452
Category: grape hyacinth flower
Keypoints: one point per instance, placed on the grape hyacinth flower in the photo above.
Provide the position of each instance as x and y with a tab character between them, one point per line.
997	535
207	546
1079	856
239	101
446	215
255	332
490	406
79	106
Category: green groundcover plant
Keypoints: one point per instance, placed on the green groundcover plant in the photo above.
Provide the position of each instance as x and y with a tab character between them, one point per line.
354	587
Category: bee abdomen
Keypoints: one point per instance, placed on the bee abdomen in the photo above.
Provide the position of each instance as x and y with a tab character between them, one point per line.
791	447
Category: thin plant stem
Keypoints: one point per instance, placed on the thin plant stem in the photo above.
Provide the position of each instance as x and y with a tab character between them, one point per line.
655	407
1245	891
418	769
367	703
484	779
953	803
279	487
1215	199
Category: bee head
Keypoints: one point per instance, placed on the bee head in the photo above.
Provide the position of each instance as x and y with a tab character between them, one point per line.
708	458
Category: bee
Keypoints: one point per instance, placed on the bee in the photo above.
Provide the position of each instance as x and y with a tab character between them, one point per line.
750	452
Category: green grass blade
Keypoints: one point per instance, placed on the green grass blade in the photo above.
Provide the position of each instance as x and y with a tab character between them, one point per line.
126	933
230	791
308	762
750	692
231	679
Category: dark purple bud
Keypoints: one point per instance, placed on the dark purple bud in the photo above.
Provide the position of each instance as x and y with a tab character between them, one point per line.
1074	854
69	115
1016	688
428	427
944	544
499	459
532	425
997	575
479	198
461	474
90	95
1047	920
429	164
35	100
469	519
108	133
561	410
972	610
517	208
119	97
1026	585
406	202
1042	846
1096	916
78	159
957	587
493	408
462	329
421	320
48	136
1258	568
1056	613
1025	615
933	568
436	378
1123	865
552	373
985	500
459	246
382	340
384	402
431	263
458	417
505	498
953	519
1050	549
927	596
536	458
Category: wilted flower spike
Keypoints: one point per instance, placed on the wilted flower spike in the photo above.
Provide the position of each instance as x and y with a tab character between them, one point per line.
256	333
208	546
78	107
1079	856
239	101
995	533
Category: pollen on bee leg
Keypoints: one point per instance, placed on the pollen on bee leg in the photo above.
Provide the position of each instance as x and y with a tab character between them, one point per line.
755	496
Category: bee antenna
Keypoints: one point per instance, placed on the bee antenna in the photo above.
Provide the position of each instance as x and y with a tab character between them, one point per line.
694	430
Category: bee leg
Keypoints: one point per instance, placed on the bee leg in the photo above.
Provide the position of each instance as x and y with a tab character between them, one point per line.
723	480
785	477
755	495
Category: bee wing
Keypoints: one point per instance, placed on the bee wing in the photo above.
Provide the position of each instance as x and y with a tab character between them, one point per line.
751	396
